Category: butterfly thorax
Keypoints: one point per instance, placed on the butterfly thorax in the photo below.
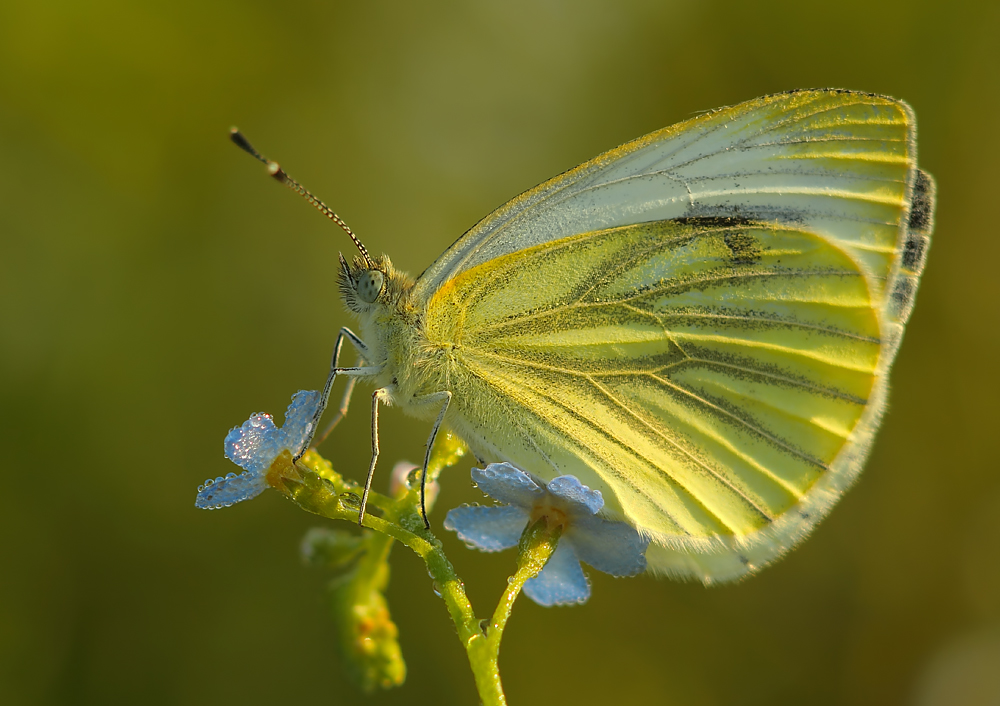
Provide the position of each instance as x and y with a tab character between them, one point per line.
390	325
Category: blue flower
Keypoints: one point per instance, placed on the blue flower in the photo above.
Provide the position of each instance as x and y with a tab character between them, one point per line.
612	547
255	446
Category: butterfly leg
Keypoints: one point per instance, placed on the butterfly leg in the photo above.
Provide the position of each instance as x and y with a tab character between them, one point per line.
334	371
444	398
380	395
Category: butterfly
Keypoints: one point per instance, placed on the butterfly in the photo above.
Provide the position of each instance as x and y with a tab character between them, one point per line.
699	323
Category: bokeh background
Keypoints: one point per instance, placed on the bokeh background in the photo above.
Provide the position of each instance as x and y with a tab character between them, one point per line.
156	288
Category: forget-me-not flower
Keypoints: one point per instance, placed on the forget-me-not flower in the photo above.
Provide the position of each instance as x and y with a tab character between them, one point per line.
255	446
615	548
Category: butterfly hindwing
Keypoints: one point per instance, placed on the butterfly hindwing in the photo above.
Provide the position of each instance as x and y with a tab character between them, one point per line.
705	372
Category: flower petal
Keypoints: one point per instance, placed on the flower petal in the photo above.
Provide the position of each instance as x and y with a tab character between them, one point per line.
615	548
507	484
254	445
570	489
300	421
488	529
223	492
561	582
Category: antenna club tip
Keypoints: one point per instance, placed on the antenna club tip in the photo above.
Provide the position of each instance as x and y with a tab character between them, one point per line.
242	142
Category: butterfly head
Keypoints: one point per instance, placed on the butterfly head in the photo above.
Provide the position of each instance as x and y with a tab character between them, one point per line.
369	284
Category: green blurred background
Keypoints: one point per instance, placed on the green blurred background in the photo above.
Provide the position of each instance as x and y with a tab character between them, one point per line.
156	288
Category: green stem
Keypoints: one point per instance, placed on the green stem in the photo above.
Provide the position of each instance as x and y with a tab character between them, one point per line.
535	548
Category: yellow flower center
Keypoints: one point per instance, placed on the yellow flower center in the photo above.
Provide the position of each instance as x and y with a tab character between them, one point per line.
281	468
554	516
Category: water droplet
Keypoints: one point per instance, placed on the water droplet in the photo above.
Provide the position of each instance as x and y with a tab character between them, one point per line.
436	588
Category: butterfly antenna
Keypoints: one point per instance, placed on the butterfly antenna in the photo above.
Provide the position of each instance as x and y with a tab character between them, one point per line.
275	170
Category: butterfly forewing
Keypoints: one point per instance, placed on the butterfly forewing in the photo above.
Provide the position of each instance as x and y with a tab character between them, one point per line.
837	163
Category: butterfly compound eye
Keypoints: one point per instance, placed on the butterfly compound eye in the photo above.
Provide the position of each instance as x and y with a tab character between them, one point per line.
370	286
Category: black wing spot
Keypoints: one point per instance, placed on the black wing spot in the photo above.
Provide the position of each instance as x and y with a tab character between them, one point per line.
913	252
713	221
745	248
922	208
903	292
